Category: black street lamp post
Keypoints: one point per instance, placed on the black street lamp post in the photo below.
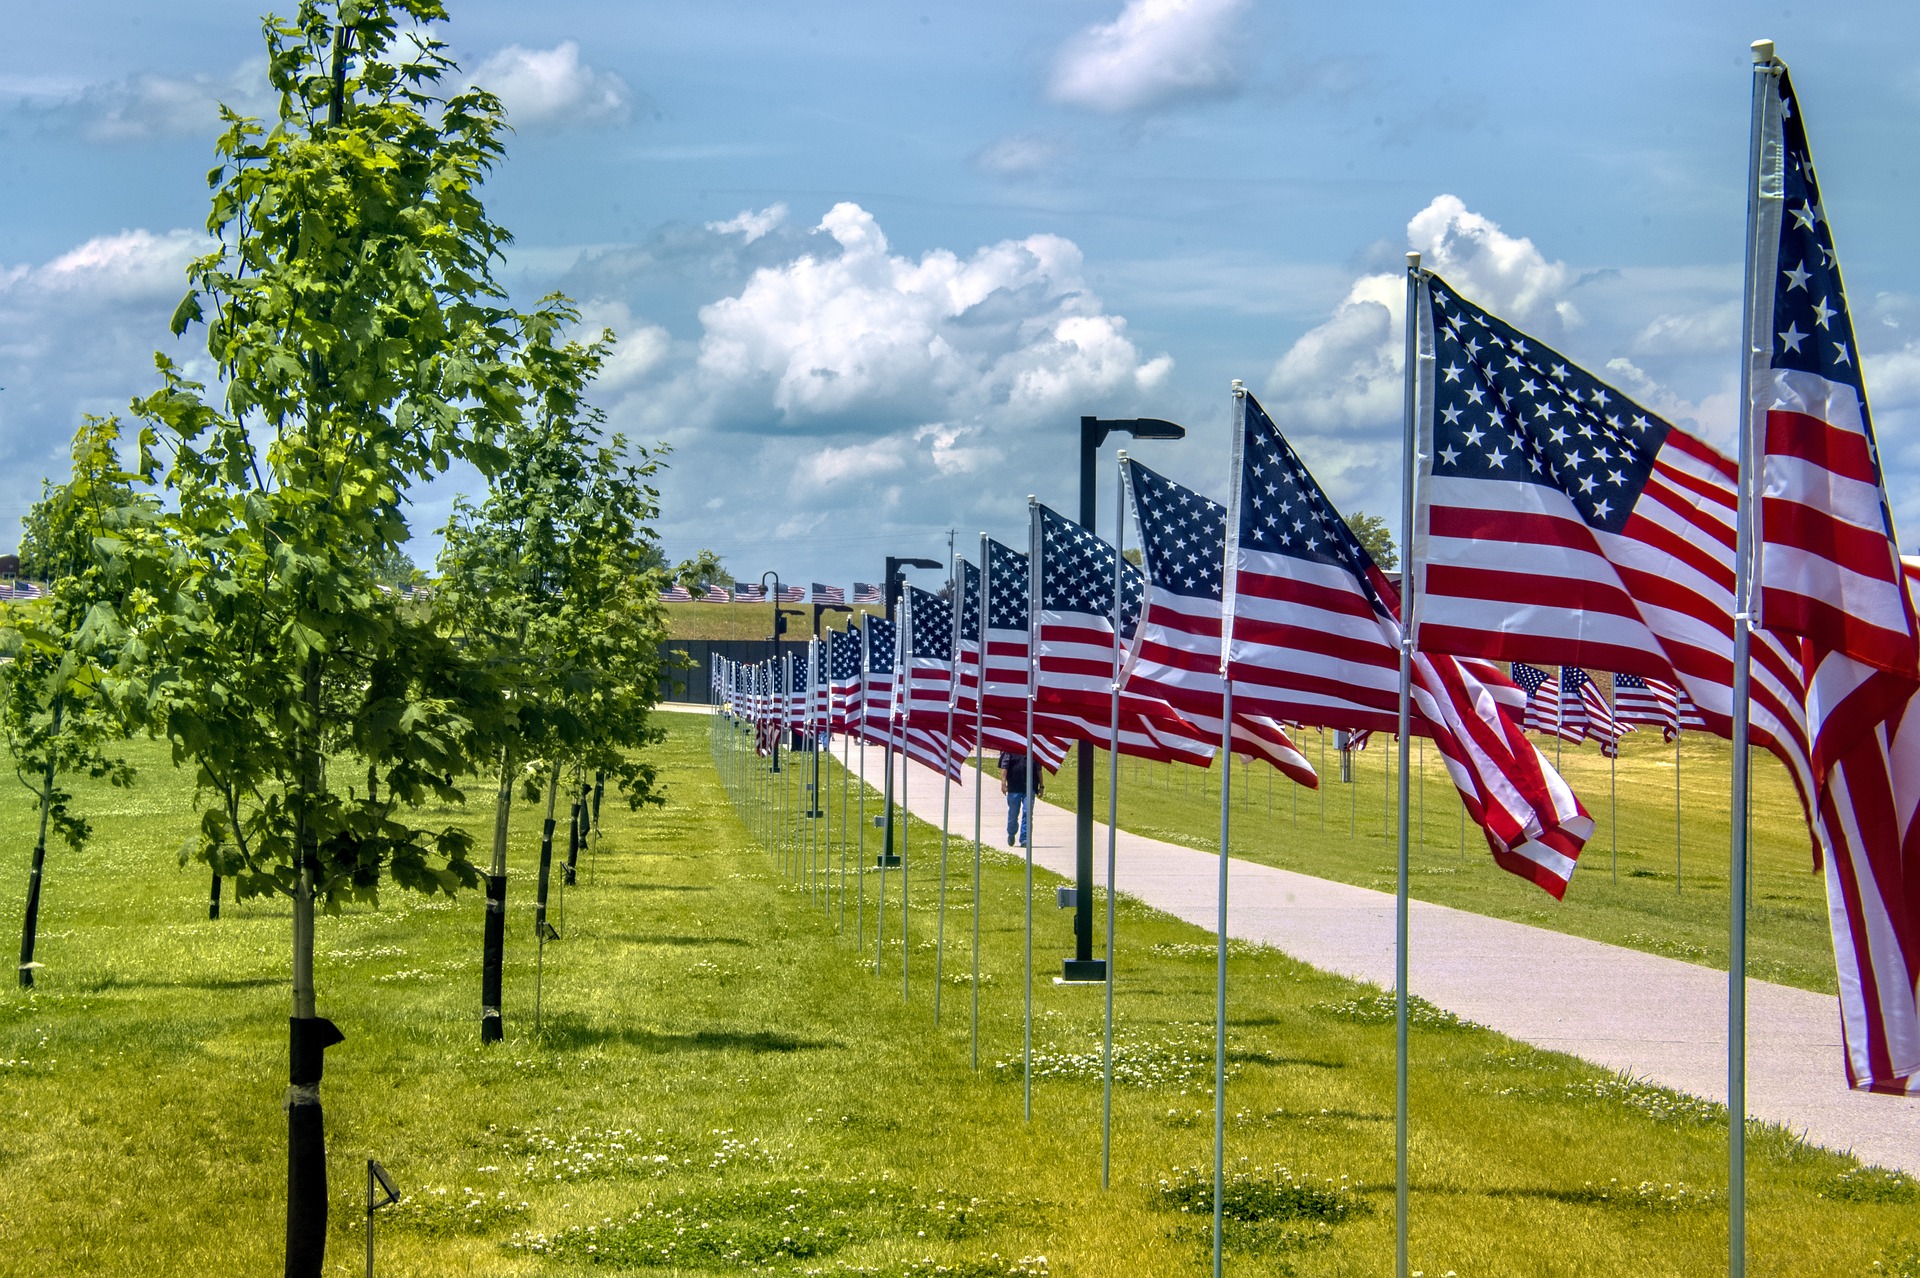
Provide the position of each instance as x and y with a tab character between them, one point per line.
895	584
1083	966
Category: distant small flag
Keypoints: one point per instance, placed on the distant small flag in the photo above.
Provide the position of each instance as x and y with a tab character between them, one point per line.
676	594
1644	700
745	593
793	594
828	594
715	594
867	593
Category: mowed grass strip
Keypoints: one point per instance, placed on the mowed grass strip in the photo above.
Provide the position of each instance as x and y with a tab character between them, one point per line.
1650	879
727	1083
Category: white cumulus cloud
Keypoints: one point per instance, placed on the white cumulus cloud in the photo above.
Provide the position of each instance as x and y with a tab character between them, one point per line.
751	225
866	334
554	88
1155	52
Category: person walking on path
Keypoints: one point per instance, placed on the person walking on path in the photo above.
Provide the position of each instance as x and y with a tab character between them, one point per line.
1013	784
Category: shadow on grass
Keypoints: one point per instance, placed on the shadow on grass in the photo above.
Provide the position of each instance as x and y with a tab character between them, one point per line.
666	887
573	1032
637	938
1267	1058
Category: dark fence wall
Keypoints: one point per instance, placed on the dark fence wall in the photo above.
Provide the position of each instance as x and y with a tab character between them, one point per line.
684	664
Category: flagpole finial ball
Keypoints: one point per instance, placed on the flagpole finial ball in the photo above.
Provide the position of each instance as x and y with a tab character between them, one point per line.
1762	52
1413	262
1239	387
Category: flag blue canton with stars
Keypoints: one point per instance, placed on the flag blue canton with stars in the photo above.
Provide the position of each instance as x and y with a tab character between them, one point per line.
969	603
930	633
1812	331
880	637
1006	588
1529	678
1076	573
846	655
1507	407
1183	535
1283	511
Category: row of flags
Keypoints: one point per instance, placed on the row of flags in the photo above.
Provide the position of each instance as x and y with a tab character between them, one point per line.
755	592
1558	527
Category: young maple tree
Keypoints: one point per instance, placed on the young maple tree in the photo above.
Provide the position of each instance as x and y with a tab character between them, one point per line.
547	584
361	345
53	718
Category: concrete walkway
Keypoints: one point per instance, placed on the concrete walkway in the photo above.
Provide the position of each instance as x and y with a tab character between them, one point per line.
1645	1015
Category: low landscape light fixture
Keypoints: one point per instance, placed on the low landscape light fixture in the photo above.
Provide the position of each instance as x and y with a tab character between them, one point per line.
377	1182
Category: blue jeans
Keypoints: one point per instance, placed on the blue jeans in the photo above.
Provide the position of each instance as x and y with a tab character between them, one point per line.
1019	804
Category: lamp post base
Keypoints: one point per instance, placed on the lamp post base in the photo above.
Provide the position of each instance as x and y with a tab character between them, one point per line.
1092	971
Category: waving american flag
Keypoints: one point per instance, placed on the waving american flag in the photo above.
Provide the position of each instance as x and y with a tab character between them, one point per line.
865	592
1313	635
1183	539
828	594
1078	653
1003	721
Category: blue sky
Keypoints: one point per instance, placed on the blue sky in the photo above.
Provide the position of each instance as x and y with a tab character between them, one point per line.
870	262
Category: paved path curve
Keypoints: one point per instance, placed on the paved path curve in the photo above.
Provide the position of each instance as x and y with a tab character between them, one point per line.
1651	1017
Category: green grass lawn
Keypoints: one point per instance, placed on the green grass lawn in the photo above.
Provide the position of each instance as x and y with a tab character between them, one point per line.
725	1084
747	621
1647	895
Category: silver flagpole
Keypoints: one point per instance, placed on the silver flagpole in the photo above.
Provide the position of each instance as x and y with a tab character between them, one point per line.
860	879
1229	582
1613	782
886	808
1764	200
1113	819
979	788
1033	646
946	781
846	782
1677	866
1405	723
902	688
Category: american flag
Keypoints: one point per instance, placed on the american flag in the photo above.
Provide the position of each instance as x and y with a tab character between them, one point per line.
1076	650
1183	539
820	704
927	682
1650	702
715	594
1565	523
1829	577
743	593
1585	707
1544	707
676	594
843	648
876	681
798	697
828	594
998	733
793	594
1313	634
865	592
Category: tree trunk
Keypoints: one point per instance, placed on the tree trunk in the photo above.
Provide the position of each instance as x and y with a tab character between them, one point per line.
30	925
309	1035
546	852
576	832
493	943
213	898
599	789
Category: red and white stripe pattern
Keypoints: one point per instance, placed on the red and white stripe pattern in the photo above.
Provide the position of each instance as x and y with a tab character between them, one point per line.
1649	702
1313	635
1545	708
876	682
843	665
1561	523
1176	656
926	665
1008	642
1830	579
676	594
715	594
1075	648
1827	567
